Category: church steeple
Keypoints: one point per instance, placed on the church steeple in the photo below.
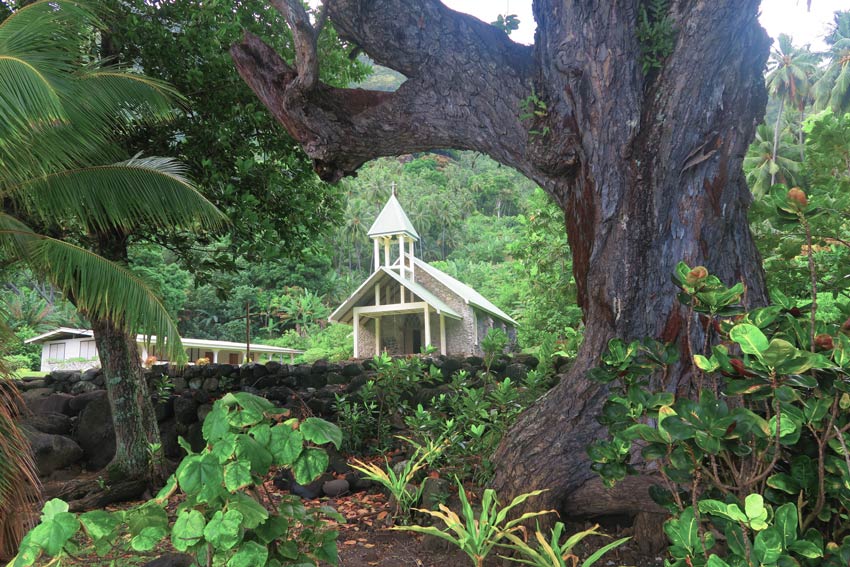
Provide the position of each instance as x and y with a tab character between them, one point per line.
392	224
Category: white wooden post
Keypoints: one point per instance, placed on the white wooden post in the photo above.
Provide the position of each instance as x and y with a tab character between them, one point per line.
356	333
377	336
377	259
377	295
387	252
442	334
401	268
215	357
411	260
427	327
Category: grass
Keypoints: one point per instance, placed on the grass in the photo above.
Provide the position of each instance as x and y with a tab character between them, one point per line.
20	374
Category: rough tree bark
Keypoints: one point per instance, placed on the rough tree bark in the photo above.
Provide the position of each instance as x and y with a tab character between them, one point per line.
646	167
132	412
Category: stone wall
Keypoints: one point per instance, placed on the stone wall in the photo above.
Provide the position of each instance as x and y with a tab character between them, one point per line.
70	426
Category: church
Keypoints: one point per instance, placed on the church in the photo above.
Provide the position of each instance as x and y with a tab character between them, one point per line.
407	305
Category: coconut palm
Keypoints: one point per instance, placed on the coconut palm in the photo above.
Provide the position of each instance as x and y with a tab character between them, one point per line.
768	161
833	88
789	78
62	175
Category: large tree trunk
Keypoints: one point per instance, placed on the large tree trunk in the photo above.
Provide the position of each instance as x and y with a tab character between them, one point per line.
136	429
647	167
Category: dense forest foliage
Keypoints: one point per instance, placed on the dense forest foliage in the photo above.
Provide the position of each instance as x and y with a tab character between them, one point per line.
287	261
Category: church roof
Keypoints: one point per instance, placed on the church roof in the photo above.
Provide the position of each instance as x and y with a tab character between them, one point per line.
468	294
343	312
392	220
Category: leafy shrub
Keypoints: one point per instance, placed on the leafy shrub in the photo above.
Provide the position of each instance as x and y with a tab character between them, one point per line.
222	518
760	455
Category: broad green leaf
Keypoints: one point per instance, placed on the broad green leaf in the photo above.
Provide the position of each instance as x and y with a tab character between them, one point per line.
54	532
320	431
200	475
250	554
99	523
751	339
253	513
224	529
682	531
715	561
756	512
310	464
188	529
785	522
784	482
767	546
247	449
286	444
237	475
705	364
148	538
806	549
216	425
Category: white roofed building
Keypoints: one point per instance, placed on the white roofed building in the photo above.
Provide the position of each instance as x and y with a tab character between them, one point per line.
65	348
407	304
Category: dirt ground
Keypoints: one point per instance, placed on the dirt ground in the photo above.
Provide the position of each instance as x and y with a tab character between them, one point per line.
366	540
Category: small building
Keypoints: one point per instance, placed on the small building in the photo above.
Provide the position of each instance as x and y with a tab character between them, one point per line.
407	304
74	349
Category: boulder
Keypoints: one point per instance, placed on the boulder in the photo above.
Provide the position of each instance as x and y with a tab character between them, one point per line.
203	411
211	384
26	385
353	369
79	402
58	403
434	491
280	394
91	374
185	410
49	422
273	366
52	452
311	380
62	375
163	408
450	366
83	388
336	378
95	433
336	487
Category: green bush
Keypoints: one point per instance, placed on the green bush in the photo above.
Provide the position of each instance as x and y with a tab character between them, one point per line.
759	454
221	518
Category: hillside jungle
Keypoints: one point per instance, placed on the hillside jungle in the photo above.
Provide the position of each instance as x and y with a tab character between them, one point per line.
765	487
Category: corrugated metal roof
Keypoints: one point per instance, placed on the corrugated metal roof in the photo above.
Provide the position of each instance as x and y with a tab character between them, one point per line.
341	312
392	220
467	293
67	332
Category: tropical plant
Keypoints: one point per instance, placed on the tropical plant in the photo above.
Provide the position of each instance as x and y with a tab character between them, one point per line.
477	534
833	88
401	485
221	517
769	160
790	73
20	489
61	171
555	553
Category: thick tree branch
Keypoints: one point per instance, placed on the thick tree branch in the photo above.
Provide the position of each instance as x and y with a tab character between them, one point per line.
304	38
469	98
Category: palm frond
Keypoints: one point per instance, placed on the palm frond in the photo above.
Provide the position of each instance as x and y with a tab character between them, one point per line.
28	100
99	288
151	192
20	489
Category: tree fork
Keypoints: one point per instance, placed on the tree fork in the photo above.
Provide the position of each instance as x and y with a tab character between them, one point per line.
647	167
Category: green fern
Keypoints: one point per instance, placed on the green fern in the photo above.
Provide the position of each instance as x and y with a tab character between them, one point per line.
655	33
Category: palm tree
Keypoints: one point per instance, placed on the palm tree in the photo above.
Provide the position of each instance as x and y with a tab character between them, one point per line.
833	88
19	485
789	77
768	160
61	114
